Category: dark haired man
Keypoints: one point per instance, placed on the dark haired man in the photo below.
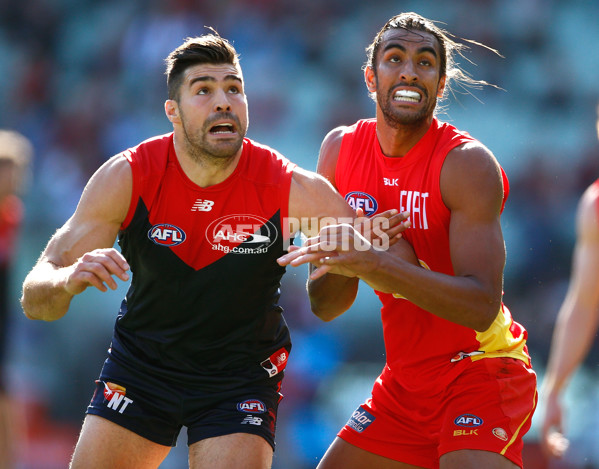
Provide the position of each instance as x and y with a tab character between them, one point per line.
458	390
201	215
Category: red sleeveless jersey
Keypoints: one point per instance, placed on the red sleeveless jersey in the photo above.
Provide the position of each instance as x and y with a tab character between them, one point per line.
420	346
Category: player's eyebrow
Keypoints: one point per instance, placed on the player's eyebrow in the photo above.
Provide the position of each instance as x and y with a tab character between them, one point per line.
421	50
210	78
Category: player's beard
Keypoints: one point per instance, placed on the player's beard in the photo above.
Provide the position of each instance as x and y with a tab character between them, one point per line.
395	117
199	146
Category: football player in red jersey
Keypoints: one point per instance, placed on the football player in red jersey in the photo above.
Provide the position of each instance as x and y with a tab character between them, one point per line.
458	390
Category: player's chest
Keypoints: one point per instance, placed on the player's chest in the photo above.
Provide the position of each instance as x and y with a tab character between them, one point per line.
377	189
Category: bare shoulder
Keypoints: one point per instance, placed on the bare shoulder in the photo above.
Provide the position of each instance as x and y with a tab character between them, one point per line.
108	192
329	153
588	213
101	210
471	175
472	156
116	168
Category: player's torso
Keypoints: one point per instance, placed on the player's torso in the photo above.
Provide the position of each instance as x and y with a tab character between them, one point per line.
367	179
376	183
205	281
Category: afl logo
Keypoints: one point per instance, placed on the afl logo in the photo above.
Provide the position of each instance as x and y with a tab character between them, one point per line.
468	420
251	406
366	202
166	235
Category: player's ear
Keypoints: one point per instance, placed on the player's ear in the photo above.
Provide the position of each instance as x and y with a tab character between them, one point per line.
171	108
441	87
370	79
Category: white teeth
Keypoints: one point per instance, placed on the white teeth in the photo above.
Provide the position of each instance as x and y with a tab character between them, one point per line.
227	125
407	95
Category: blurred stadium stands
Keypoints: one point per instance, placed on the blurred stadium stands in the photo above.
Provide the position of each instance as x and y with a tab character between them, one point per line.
84	80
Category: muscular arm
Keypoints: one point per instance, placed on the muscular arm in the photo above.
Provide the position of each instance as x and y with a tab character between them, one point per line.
578	318
80	254
314	198
332	294
472	188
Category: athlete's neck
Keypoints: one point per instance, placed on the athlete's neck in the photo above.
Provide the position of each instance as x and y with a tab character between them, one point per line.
396	141
205	170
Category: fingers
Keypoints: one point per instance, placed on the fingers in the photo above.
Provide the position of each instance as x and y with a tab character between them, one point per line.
384	227
329	239
303	256
319	272
98	269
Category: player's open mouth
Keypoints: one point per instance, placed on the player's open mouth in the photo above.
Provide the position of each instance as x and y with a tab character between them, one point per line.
225	128
407	96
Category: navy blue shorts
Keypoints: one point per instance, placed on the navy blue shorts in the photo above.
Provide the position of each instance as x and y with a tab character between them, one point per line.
156	409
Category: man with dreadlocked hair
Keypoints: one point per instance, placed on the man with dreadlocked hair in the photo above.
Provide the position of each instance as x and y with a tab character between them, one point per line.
458	390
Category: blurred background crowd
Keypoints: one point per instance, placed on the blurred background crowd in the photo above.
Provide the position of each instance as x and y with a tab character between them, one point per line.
84	79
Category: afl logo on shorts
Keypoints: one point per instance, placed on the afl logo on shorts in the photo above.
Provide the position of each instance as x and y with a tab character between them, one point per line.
468	420
251	406
166	235
366	202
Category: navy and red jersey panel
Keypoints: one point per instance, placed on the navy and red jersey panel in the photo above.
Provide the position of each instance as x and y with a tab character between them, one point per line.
203	300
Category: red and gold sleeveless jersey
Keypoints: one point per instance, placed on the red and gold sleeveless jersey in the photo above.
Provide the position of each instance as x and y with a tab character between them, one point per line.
420	345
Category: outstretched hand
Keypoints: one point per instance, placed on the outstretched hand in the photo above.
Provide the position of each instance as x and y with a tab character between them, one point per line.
349	250
97	268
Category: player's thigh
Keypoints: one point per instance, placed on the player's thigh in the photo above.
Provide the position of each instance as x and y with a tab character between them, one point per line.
104	444
475	459
236	450
341	454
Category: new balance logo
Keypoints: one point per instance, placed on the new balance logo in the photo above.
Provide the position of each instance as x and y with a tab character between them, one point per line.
201	205
252	420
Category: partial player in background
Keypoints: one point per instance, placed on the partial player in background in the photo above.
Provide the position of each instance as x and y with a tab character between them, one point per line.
458	390
577	321
16	153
